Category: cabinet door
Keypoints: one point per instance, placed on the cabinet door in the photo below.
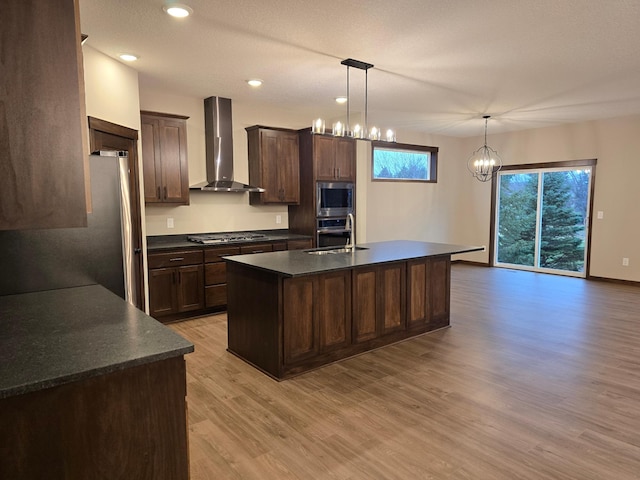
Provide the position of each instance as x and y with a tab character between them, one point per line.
164	159
391	298
163	299
379	301
172	136
289	167
324	157
334	310
269	157
428	296
190	288
345	159
300	321
151	172
364	307
42	116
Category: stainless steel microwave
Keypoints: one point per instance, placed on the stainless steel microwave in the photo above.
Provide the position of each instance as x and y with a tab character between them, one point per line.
334	199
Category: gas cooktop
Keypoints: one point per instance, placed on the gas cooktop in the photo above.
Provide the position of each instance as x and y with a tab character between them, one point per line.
213	238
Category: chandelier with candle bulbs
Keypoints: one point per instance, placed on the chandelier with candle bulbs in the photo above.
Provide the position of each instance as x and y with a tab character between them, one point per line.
361	132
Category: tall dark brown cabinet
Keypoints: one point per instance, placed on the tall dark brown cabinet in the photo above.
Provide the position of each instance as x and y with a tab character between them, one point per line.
322	158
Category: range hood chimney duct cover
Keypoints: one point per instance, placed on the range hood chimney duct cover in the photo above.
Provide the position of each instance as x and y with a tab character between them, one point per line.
219	149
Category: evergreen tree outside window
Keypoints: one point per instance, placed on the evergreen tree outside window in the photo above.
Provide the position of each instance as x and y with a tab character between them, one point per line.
541	219
403	162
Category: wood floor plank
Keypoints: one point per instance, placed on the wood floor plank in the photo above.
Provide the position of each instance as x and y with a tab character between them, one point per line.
537	378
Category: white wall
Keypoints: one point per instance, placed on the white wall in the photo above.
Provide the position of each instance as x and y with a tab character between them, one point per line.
615	143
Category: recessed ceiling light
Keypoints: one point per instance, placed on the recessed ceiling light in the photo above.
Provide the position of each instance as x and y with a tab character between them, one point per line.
178	10
128	57
254	82
341	100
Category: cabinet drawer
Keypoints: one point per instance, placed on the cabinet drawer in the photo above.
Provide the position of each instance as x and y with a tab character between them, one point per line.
299	244
215	295
216	254
215	273
175	259
279	246
257	248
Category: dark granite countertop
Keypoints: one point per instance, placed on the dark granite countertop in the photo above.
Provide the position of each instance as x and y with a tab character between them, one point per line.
169	242
300	262
60	336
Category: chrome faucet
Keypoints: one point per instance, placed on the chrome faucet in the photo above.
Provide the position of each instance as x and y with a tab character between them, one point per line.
350	225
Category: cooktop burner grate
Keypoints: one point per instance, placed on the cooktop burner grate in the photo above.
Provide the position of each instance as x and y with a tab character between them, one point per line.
209	238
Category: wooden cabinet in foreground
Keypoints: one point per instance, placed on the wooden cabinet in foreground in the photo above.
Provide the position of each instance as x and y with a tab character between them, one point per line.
274	165
164	158
42	117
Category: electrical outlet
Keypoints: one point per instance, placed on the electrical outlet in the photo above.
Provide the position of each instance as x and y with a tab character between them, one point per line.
169	222
625	262
278	219
600	214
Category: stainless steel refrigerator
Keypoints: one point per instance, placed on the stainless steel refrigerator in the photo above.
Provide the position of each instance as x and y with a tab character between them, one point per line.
101	253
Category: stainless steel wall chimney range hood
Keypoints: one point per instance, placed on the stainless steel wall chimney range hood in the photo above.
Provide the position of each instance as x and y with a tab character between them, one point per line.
219	149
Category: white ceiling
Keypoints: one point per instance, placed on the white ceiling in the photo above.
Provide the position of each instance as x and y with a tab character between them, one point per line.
439	64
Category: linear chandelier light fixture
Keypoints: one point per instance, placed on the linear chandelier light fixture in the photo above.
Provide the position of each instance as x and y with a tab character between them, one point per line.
362	132
485	162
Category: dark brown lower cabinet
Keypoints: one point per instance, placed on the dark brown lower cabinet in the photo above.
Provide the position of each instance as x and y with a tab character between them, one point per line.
289	325
131	423
176	283
428	301
316	315
379	301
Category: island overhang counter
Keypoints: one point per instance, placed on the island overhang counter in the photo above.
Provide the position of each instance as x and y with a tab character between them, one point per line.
292	311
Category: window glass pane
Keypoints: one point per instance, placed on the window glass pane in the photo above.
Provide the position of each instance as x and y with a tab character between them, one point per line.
517	218
564	208
392	164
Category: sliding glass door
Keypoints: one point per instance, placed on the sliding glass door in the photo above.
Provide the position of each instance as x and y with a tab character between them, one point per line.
542	219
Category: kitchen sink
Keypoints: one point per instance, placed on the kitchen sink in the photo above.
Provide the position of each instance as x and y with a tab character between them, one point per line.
334	251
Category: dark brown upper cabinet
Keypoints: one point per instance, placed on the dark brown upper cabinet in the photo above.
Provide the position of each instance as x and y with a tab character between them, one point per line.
43	146
334	158
274	164
164	158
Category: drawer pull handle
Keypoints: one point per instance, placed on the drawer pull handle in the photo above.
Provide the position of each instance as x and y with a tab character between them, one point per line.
177	259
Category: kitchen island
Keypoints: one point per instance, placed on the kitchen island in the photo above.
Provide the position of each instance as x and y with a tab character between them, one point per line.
289	312
90	387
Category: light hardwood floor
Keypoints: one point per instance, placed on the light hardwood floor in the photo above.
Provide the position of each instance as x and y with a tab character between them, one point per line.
537	378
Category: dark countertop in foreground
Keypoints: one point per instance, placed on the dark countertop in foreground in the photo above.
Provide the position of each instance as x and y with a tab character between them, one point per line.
60	336
165	242
300	262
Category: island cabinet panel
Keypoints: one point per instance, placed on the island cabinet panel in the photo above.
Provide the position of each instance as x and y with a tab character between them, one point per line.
379	301
316	315
428	293
255	299
334	304
364	304
127	424
300	319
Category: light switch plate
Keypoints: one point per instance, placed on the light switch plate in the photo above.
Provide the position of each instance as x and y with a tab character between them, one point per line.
600	214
